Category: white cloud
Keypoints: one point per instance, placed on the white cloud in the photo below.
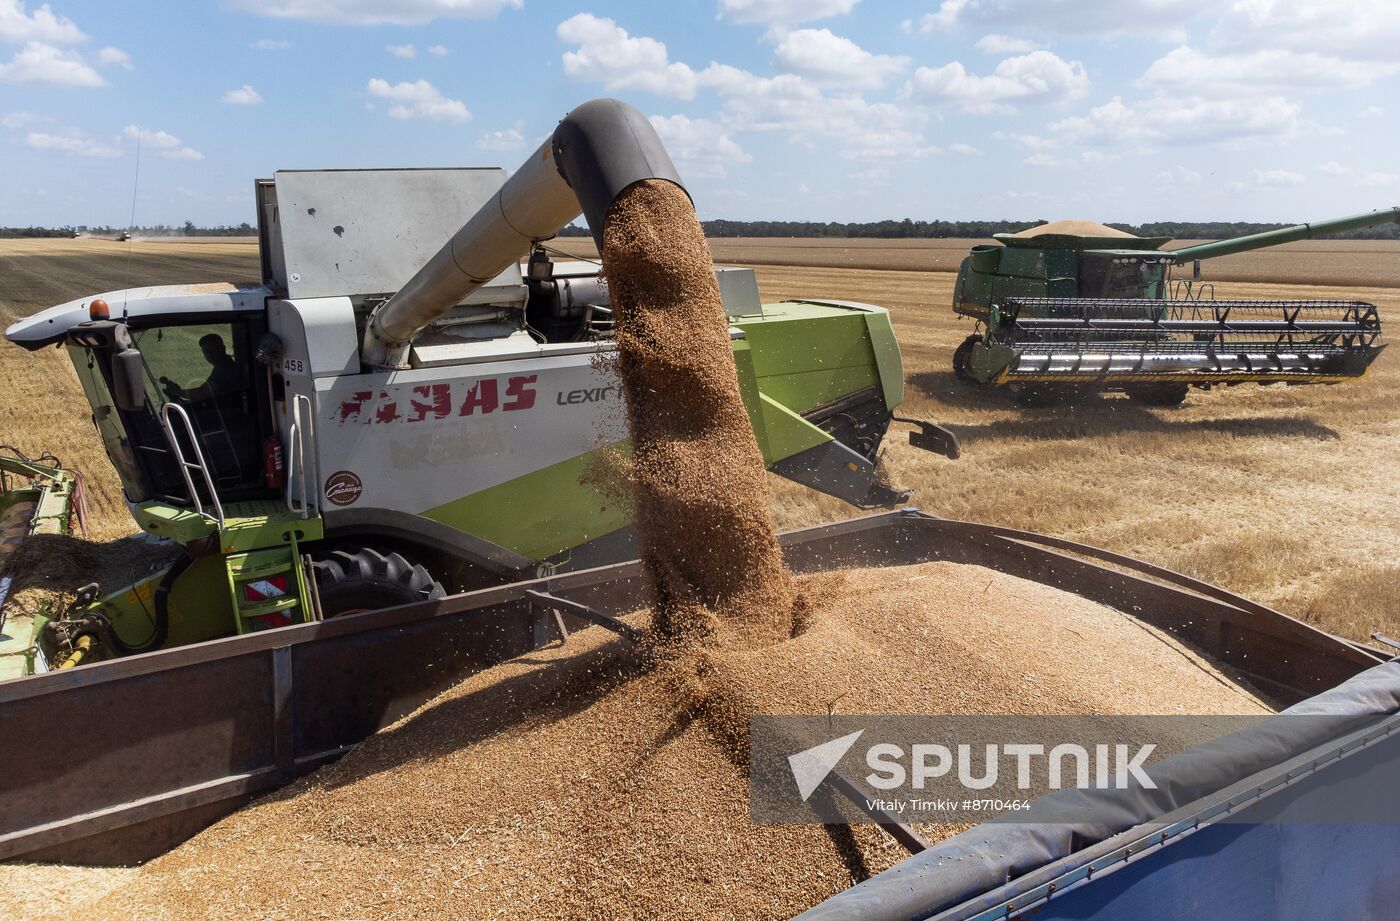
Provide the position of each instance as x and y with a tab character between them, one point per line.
1276	178
966	150
374	13
782	12
1087	158
606	54
1028	141
1040	76
832	59
700	146
1006	44
37	62
509	139
1171	120
271	44
855	128
1157	18
109	57
1344	28
71	141
407	52
245	95
1371	179
170	147
1186	70
42	25
17	119
438	50
1178	175
874	177
1371	112
419	99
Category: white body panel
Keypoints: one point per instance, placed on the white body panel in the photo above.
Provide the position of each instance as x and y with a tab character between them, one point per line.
421	438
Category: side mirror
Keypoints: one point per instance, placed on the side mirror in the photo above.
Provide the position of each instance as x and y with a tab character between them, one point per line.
128	381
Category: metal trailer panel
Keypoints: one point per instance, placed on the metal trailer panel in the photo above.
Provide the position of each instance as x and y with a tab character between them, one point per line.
116	761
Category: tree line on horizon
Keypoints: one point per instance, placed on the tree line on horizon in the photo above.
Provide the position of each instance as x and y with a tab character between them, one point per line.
884	230
912	229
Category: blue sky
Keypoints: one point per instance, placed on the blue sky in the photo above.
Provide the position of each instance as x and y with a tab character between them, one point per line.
844	110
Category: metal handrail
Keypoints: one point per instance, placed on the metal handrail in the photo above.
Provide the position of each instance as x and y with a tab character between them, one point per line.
307	432
296	458
294	437
185	466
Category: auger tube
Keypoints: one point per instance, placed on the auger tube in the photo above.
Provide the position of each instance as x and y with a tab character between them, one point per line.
1285	235
598	150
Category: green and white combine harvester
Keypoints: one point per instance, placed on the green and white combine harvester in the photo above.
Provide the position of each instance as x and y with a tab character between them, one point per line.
1062	308
381	420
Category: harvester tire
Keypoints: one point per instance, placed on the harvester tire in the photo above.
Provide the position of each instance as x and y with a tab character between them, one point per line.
1159	394
351	581
960	358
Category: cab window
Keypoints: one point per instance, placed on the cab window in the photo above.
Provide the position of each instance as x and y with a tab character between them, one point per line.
207	370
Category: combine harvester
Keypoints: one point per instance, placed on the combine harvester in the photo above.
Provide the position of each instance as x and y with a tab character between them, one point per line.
121	759
1077	305
381	419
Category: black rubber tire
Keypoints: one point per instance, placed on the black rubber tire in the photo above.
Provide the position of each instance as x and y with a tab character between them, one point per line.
350	581
961	355
1158	394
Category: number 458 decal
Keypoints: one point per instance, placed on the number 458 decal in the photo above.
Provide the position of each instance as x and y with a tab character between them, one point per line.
430	402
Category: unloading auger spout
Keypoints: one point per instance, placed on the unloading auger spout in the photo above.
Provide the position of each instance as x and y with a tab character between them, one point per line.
597	151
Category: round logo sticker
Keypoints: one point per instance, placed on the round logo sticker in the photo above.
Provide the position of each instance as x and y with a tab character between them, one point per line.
343	487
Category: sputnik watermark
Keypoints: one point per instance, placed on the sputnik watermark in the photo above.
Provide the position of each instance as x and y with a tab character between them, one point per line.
948	769
892	767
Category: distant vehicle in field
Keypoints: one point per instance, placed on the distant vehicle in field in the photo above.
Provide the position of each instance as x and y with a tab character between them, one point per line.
1076	305
123	236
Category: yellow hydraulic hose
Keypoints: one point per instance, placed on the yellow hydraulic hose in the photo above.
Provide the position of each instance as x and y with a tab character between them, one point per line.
85	644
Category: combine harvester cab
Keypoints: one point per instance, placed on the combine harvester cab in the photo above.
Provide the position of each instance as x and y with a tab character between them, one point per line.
385	415
1077	304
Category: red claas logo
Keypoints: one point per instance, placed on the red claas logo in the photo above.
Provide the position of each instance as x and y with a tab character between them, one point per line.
432	402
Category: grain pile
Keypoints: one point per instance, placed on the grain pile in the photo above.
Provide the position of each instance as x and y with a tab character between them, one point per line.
585	781
49	568
698	480
1072	229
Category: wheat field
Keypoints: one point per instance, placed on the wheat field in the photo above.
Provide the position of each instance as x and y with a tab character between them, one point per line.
1287	495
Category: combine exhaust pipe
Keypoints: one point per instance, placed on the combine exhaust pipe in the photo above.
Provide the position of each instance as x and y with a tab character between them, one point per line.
597	151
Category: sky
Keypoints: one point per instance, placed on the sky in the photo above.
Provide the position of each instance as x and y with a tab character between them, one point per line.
829	110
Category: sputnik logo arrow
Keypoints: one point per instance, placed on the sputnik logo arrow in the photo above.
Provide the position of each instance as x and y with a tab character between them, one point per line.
810	767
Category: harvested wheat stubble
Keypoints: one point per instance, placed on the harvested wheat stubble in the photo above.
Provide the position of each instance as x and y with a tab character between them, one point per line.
590	781
698	480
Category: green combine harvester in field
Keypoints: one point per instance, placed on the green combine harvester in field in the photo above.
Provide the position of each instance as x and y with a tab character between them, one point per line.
1075	305
383	420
